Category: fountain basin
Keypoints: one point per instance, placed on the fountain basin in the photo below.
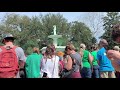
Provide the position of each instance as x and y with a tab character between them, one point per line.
55	36
58	48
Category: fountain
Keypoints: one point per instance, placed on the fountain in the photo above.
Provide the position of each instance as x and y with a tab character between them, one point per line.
55	38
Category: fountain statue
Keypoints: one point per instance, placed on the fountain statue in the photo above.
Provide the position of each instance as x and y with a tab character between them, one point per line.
55	38
54	29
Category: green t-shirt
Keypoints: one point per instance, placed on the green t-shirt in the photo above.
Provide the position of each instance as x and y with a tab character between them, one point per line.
32	65
85	58
94	54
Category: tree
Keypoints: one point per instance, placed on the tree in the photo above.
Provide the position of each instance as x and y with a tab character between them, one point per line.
19	26
109	20
61	23
80	33
94	21
34	31
94	40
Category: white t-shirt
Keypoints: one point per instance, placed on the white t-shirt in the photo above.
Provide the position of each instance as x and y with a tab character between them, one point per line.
50	66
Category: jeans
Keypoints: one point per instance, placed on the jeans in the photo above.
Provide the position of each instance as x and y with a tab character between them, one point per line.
86	72
96	71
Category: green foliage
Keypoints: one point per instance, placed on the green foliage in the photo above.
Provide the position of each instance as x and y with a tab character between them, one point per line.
80	33
34	31
54	19
109	20
94	40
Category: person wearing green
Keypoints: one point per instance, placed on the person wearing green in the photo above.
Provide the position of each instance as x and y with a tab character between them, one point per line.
95	62
87	59
32	66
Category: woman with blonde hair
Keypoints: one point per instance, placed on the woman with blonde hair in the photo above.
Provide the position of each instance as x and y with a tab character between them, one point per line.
87	59
50	63
72	61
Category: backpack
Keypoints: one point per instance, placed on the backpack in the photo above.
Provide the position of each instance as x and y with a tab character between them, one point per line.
8	62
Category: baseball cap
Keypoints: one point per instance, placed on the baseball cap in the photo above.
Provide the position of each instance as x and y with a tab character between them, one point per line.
8	35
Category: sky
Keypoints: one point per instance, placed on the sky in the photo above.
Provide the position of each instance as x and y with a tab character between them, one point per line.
70	16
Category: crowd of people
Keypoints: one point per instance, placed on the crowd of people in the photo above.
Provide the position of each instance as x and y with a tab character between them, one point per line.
71	63
95	63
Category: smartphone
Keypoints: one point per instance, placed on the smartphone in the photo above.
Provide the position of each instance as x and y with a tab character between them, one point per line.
44	74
